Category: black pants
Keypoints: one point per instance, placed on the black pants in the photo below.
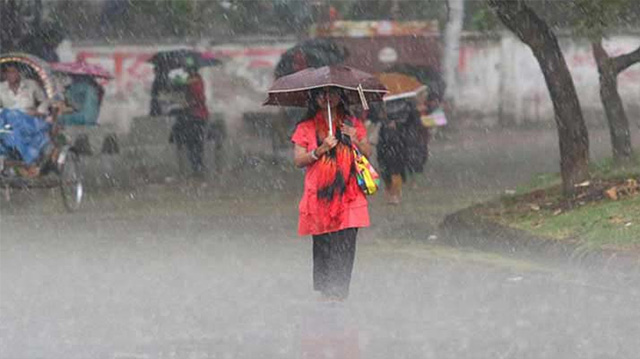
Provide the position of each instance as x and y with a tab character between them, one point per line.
190	132
333	257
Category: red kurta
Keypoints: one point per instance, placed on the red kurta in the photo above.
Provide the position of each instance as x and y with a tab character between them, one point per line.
352	205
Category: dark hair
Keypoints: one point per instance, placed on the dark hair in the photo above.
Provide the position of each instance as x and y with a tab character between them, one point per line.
312	104
16	65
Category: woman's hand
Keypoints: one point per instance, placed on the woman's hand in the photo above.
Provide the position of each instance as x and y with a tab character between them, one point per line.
328	143
349	131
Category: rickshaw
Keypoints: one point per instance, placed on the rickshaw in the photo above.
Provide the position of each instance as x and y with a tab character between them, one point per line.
62	170
83	93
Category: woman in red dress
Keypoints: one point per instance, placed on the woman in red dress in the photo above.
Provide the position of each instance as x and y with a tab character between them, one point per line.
333	206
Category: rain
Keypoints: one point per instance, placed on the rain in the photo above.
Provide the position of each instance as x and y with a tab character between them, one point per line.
319	179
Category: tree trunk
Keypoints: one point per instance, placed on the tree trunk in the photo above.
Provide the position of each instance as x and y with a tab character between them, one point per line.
609	68
452	49
612	103
572	132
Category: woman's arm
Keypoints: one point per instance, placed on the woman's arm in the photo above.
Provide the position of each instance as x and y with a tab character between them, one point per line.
364	146
301	157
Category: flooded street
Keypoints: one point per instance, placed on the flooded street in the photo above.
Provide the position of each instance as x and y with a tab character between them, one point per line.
184	270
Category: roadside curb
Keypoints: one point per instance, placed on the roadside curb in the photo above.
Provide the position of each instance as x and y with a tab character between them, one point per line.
466	228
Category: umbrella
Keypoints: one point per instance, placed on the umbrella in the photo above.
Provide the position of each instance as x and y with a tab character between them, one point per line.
81	68
183	58
293	90
432	78
401	86
310	53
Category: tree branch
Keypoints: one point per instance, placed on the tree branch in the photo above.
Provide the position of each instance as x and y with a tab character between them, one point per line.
520	19
622	62
603	61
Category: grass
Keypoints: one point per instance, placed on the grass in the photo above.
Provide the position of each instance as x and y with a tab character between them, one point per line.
597	223
604	224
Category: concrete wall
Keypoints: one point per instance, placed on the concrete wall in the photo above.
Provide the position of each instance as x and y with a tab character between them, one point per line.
499	79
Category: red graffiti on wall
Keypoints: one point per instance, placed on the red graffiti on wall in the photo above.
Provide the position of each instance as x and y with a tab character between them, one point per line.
131	69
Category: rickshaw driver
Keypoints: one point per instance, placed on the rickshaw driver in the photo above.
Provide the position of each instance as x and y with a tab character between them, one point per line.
22	94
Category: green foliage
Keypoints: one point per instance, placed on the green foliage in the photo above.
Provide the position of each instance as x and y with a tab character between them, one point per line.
402	10
479	17
596	17
589	18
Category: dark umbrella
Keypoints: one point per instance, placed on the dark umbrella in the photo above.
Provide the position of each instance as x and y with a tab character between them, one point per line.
310	53
183	58
293	90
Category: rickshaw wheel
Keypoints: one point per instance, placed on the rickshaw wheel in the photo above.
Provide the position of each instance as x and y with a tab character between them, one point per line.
71	186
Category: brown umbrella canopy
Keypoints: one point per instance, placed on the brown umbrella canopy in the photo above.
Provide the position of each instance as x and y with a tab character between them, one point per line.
293	90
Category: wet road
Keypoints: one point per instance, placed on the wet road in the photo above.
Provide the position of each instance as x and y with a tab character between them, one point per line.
185	271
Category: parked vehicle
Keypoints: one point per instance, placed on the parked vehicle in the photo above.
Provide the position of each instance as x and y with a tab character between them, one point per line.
83	92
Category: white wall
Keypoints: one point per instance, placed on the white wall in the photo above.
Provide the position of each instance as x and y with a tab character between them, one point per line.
502	76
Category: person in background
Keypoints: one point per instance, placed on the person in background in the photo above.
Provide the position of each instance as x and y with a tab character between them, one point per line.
160	83
401	148
333	207
191	125
83	96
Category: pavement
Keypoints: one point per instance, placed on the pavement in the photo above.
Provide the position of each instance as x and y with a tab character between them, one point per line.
213	269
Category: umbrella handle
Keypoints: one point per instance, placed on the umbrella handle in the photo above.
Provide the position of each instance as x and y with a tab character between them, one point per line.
363	99
330	118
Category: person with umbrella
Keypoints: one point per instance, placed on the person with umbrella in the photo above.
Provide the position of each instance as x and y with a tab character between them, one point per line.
333	207
192	120
191	124
401	148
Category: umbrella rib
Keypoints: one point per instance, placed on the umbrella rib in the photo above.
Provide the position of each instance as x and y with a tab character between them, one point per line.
407	94
325	85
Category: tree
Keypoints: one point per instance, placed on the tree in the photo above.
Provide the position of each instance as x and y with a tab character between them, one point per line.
572	131
609	68
596	18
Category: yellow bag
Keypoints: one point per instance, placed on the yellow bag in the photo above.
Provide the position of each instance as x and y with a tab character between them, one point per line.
368	178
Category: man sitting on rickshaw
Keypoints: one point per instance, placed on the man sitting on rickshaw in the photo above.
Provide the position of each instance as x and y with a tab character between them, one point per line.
25	134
